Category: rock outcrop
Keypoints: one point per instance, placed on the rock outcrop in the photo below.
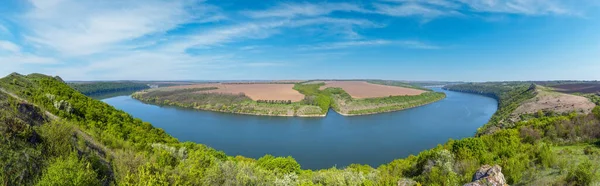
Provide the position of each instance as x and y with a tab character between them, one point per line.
406	182
488	176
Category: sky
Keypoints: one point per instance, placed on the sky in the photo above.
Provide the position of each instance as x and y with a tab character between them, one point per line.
419	40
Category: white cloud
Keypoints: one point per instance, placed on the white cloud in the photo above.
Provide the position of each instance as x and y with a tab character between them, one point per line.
9	46
437	8
417	45
413	9
345	44
366	43
528	7
84	27
440	3
291	10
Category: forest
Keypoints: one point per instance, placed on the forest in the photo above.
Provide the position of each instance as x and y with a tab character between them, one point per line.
82	141
96	88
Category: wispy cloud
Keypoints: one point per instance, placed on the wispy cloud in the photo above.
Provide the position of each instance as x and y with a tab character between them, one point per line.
413	9
346	44
86	27
368	43
291	10
528	7
9	46
418	45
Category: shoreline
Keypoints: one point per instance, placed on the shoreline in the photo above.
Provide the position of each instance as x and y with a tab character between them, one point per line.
240	113
273	115
373	113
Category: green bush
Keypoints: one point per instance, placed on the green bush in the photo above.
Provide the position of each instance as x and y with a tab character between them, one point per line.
69	170
583	174
279	164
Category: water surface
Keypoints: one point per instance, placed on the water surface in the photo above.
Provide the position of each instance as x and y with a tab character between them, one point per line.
318	143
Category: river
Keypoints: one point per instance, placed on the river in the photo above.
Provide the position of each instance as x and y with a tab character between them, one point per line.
318	143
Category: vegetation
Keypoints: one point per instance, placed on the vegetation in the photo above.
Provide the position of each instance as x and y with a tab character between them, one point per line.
91	143
98	88
398	84
343	103
386	104
231	103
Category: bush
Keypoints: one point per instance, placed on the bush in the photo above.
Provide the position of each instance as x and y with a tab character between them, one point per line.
69	171
581	175
280	164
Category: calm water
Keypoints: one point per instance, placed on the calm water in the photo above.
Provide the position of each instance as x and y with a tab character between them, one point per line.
323	142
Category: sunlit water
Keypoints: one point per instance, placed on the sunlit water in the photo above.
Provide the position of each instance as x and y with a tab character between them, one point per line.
318	143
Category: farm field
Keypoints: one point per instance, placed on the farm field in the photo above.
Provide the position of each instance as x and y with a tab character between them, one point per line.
255	91
363	89
271	99
578	88
549	101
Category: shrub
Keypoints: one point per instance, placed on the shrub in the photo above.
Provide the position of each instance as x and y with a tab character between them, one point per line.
279	164
69	171
581	175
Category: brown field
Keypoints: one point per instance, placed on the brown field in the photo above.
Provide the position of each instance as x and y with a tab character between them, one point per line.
578	87
555	102
254	91
362	89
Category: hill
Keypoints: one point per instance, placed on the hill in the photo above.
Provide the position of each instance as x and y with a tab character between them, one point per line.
54	135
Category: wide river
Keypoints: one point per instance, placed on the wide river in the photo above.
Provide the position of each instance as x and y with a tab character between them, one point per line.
318	143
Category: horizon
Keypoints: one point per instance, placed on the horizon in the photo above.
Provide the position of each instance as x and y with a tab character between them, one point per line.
406	40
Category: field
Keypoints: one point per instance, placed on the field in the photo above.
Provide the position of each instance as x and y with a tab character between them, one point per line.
362	89
272	99
255	91
547	100
578	88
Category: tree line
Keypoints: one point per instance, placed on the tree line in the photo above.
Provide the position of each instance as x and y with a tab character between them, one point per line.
286	102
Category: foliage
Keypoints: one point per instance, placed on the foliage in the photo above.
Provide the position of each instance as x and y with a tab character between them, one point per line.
68	171
279	164
398	84
96	88
583	174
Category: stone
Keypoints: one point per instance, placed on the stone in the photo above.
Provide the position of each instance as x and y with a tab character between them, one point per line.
406	182
488	176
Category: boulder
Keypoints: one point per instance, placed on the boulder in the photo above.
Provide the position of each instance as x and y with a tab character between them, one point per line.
406	182
488	176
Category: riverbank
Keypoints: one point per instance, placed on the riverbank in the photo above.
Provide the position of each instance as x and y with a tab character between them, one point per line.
394	109
234	104
335	98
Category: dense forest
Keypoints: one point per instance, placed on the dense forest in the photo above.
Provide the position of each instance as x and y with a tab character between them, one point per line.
96	88
58	136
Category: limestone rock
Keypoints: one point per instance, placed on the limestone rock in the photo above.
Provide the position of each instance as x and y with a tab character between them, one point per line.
488	176
406	182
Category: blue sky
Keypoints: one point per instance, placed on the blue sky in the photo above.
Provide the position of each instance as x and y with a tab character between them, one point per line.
454	40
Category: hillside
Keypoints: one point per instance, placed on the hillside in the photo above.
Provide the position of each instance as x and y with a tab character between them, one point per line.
70	138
